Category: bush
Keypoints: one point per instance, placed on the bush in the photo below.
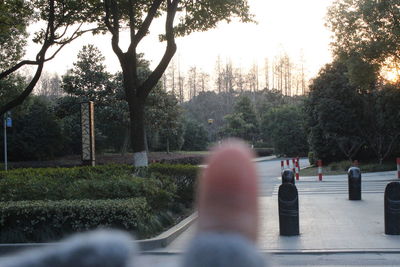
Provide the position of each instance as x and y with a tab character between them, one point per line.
311	158
264	152
101	182
184	177
192	160
38	205
42	221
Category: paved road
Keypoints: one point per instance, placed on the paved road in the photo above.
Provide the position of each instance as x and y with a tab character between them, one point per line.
299	260
329	195
269	172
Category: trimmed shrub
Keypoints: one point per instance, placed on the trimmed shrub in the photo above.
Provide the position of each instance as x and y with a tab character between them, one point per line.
42	221
264	152
102	182
184	177
40	205
192	160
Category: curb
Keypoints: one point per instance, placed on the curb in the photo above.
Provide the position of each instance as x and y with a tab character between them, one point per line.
164	239
262	159
160	241
296	252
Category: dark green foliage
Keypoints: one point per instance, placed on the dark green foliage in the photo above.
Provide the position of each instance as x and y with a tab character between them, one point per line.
333	115
184	177
311	158
15	16
210	105
191	160
100	182
43	221
163	121
195	136
264	152
369	28
381	121
36	133
284	126
40	205
242	123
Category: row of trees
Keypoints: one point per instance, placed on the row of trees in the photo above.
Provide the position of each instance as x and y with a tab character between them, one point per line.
353	108
266	118
48	124
64	21
282	74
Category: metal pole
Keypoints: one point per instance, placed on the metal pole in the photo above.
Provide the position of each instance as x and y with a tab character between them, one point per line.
5	141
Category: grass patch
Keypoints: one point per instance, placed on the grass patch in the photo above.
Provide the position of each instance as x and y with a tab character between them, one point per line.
341	167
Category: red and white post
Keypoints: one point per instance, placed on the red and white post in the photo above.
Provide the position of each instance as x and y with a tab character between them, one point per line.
398	167
319	162
298	165
287	163
282	166
294	165
297	171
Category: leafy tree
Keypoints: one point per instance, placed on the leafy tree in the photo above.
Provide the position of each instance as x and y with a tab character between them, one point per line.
381	121
67	111
36	133
195	136
58	18
368	29
243	122
236	126
88	79
333	114
284	126
210	105
14	19
138	16
163	117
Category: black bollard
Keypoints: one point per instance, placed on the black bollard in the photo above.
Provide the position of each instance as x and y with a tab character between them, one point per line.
288	205
354	181
392	209
288	177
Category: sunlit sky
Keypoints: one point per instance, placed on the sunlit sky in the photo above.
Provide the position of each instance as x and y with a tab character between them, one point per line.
293	26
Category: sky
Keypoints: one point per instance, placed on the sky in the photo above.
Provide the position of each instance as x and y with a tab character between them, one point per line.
292	26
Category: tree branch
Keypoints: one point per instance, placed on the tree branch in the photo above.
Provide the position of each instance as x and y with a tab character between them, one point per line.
28	90
155	76
114	27
16	67
144	28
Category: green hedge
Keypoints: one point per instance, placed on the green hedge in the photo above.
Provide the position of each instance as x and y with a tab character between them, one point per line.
42	221
264	152
86	172
38	205
108	182
184	176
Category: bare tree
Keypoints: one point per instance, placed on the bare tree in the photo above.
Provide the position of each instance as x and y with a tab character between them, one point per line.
266	73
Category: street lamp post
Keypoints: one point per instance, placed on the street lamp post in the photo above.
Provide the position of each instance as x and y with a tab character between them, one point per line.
210	122
7	122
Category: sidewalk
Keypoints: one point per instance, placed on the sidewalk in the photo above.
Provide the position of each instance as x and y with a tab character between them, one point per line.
329	222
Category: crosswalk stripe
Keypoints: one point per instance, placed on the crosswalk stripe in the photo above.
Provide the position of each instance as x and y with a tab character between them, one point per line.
337	187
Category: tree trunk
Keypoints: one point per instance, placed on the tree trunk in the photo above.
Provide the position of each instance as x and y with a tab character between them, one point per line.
167	145
138	140
125	144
